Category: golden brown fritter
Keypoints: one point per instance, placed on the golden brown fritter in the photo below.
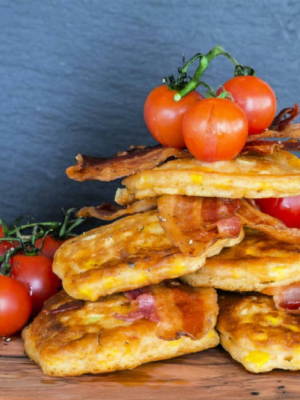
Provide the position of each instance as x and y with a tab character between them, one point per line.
257	263
72	337
250	176
130	253
258	335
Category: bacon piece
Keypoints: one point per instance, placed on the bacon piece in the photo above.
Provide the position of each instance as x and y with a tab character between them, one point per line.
191	223
253	218
178	309
108	212
284	118
183	310
290	131
133	294
124	163
214	209
143	304
281	126
286	297
71	305
270	146
229	227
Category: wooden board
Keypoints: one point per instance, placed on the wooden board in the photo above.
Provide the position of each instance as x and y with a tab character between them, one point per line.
209	375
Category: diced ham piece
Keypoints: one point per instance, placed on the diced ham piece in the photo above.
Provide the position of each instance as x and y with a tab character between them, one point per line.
143	303
229	227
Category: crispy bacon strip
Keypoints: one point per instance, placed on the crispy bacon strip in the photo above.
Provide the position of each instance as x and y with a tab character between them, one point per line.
123	164
281	126
191	223
270	146
183	310
178	310
108	212
290	131
284	118
71	305
286	298
255	219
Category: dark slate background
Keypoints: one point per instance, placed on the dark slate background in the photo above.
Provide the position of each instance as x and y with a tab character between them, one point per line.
74	75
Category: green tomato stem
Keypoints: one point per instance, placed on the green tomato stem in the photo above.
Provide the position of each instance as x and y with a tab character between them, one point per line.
204	62
189	62
10	239
52	225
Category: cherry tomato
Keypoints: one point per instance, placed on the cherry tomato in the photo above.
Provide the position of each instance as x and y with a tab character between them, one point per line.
6	245
35	272
256	98
286	209
15	305
163	116
215	129
50	245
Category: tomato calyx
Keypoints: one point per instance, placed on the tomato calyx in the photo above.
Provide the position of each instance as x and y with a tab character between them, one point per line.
183	79
244	70
179	83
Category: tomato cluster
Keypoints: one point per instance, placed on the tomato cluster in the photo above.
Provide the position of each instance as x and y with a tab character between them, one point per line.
26	276
214	128
22	294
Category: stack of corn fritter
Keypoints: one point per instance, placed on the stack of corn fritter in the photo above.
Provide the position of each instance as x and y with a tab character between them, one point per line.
144	287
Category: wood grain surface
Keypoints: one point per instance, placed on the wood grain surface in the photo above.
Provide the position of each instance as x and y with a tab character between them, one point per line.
209	375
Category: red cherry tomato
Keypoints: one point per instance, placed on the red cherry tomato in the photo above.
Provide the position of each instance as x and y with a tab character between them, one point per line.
215	129
6	245
256	98
50	245
286	209
35	272
163	116
15	305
